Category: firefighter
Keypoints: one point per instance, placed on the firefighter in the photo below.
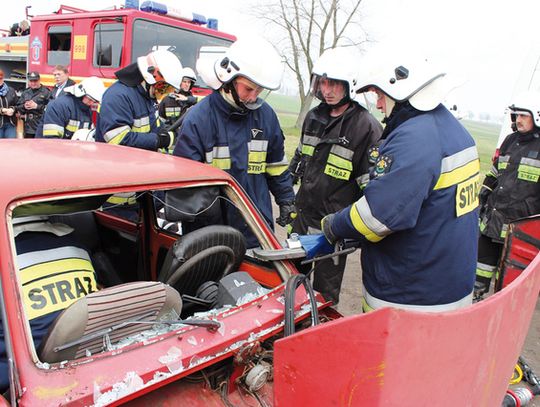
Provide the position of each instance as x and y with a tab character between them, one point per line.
55	271
31	104
418	218
511	189
175	105
236	130
8	100
128	116
73	111
331	160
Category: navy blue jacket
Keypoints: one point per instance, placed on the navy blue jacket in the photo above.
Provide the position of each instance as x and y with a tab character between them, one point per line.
46	294
128	117
249	146
64	116
419	215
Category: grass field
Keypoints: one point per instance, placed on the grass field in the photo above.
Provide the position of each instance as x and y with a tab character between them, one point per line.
287	107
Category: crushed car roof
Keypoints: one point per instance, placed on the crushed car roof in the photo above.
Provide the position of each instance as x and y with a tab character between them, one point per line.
30	167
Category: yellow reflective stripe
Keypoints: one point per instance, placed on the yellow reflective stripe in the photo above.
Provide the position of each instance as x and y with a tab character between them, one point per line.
120	200
359	225
340	162
275	170
458	175
528	172
143	129
221	163
41	270
336	172
365	306
256	168
308	150
53	130
257	156
54	285
467	195
116	135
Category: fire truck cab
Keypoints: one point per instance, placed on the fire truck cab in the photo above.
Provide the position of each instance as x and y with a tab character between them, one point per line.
97	43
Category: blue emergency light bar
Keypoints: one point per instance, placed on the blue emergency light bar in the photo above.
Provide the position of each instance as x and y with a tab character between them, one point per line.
186	15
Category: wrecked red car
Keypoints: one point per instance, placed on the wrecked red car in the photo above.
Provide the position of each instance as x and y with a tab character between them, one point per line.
183	313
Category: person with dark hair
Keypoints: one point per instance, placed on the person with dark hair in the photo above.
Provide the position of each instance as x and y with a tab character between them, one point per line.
31	104
61	79
332	159
73	111
8	101
511	189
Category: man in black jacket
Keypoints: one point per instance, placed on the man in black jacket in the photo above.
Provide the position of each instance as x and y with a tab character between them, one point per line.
332	160
62	79
31	104
511	189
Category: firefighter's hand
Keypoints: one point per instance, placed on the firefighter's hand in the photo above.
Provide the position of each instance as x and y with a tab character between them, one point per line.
326	227
165	139
287	213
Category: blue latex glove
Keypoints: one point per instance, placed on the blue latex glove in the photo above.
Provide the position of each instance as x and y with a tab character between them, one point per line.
315	245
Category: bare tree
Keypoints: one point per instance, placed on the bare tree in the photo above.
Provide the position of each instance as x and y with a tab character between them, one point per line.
305	29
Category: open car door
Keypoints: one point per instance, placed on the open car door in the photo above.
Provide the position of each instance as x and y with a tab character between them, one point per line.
393	357
520	248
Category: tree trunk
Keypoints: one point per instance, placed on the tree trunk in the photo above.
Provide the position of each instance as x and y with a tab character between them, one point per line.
304	109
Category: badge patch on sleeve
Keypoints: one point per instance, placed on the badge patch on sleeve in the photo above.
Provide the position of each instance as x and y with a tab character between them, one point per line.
373	154
382	165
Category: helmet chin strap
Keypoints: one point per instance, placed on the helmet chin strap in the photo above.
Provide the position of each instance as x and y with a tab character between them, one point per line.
150	91
228	91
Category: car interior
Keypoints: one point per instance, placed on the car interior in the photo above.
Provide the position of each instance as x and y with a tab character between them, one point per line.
161	262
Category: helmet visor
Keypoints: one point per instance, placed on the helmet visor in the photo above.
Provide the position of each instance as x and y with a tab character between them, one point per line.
328	90
251	95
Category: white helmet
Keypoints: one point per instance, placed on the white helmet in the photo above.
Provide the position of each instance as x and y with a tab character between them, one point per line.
161	66
92	87
187	72
338	64
417	81
252	58
528	103
84	135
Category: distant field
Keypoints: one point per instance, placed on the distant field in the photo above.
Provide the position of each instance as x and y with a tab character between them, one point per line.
287	107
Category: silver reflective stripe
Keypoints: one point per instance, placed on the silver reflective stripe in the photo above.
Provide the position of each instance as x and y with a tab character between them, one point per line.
43	256
504	158
494	171
115	132
457	160
143	121
310	141
218	152
377	303
55	127
530	161
73	123
485	267
370	221
258	145
342	152
363	179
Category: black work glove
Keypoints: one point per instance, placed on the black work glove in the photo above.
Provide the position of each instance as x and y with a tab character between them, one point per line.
287	212
326	227
165	139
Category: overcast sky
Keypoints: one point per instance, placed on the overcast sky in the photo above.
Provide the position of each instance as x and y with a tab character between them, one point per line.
484	43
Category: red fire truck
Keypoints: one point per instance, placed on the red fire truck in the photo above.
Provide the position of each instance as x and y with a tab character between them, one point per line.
97	43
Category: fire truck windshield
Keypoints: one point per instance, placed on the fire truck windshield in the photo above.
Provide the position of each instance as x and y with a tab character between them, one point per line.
148	36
